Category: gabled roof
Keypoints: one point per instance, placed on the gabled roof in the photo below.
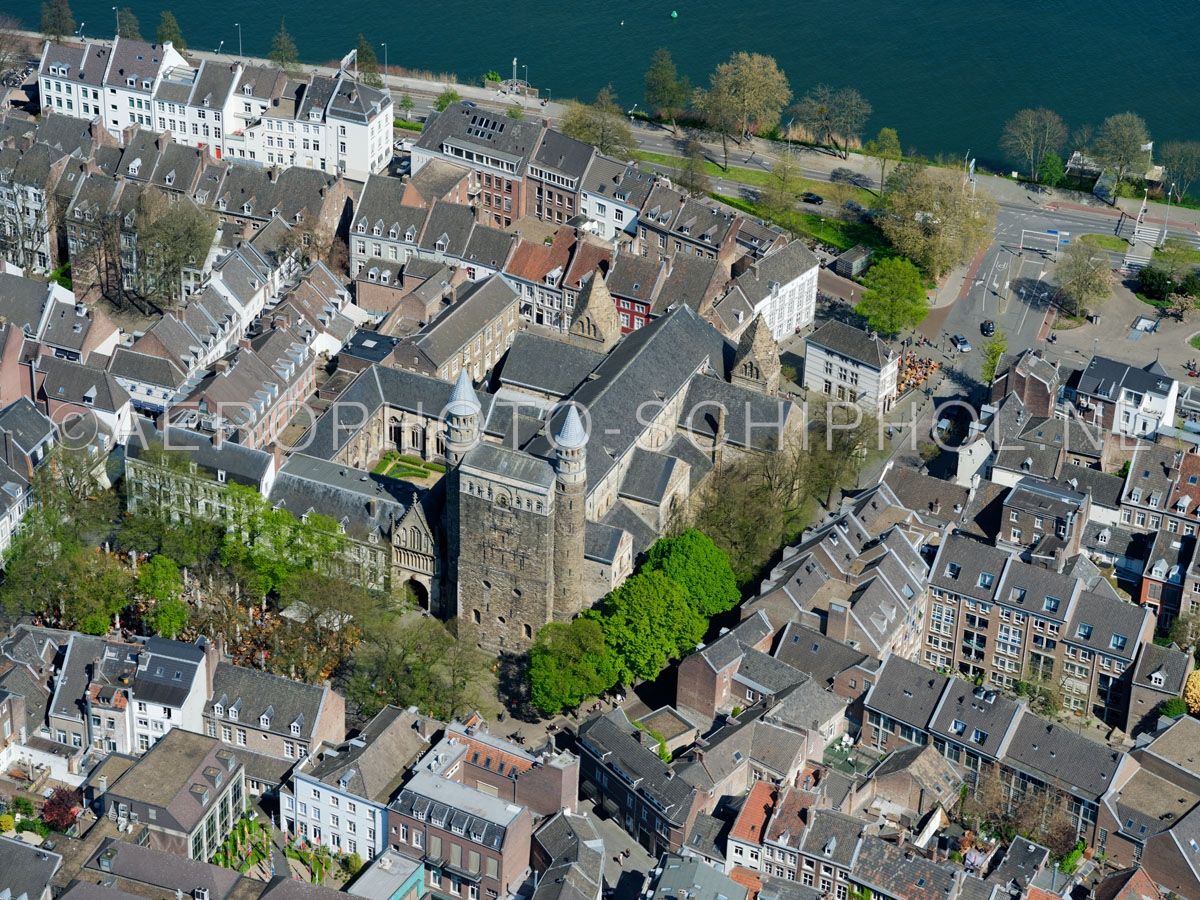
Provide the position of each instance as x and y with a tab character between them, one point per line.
851	343
374	763
906	692
253	692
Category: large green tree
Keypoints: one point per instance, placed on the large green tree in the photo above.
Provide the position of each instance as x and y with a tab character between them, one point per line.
97	587
368	63
833	114
569	663
746	93
1031	134
935	219
159	579
283	49
444	99
57	19
993	350
172	237
1084	276
667	92
128	25
894	299
885	148
648	622
1123	144
699	566
601	124
169	31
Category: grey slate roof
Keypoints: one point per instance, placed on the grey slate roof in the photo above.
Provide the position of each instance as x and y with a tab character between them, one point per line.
443	339
832	835
547	365
962	561
648	475
906	692
1115	625
815	654
610	739
166	871
975	717
509	464
373	764
682	876
245	465
1170	664
145	369
469	126
601	542
25	871
76	383
381	205
23	301
166	671
563	155
850	342
1104	377
27	424
447	804
1051	751
1105	490
254	692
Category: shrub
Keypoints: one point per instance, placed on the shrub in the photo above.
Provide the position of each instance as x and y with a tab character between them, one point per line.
7	824
1173	708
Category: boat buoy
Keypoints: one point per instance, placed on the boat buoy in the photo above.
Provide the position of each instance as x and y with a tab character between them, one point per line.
674	14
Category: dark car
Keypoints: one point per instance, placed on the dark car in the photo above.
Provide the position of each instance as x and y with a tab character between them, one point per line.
988	328
810	197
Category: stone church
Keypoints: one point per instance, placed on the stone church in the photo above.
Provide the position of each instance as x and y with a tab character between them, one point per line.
582	451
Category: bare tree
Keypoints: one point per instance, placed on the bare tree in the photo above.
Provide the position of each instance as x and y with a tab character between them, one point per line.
1124	144
1084	276
1031	134
1182	162
830	115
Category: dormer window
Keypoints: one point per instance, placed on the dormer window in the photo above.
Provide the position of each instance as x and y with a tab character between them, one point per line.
233	713
953	570
377	231
1084	631
440	246
393	232
264	721
132	82
218	709
247	90
985	579
1156	679
295	729
362	227
410	234
1118	642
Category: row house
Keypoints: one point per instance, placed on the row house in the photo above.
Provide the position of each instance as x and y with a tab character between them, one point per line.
993	737
472	844
851	364
555	176
271	722
124	698
48	314
335	124
549	276
339	794
1043	522
115	83
497	149
28	212
655	806
319	304
995	617
865	589
612	196
644	288
386	231
252	394
814	846
1126	400
672	223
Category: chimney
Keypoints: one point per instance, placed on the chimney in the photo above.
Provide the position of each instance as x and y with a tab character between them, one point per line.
218	437
244	342
276	451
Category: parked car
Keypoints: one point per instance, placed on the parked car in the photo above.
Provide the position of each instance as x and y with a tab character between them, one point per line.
810	197
961	344
988	328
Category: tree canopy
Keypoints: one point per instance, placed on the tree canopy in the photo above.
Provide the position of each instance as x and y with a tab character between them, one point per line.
699	566
169	31
368	63
283	48
1084	276
570	663
444	99
1123	144
894	299
1181	159
648	622
934	219
833	114
667	92
746	93
172	237
128	25
57	19
601	124
885	148
1031	134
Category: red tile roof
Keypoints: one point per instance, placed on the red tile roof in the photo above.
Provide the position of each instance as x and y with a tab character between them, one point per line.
751	822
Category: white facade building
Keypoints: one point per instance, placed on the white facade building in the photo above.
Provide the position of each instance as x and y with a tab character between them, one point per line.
849	364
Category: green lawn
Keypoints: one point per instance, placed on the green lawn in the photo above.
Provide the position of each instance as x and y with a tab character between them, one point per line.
835	232
1194	341
756	177
1105	242
1190	256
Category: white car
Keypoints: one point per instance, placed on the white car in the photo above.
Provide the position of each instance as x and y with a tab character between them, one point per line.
961	344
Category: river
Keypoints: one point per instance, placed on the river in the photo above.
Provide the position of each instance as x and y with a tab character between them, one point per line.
946	75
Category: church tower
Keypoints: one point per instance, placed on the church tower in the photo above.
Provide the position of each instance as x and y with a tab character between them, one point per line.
595	323
756	362
570	523
462	415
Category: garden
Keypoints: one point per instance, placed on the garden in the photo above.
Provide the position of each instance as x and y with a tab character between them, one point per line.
248	845
407	467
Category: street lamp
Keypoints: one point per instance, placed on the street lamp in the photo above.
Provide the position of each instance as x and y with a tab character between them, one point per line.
79	33
220	46
238	26
384	46
1167	218
117	16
